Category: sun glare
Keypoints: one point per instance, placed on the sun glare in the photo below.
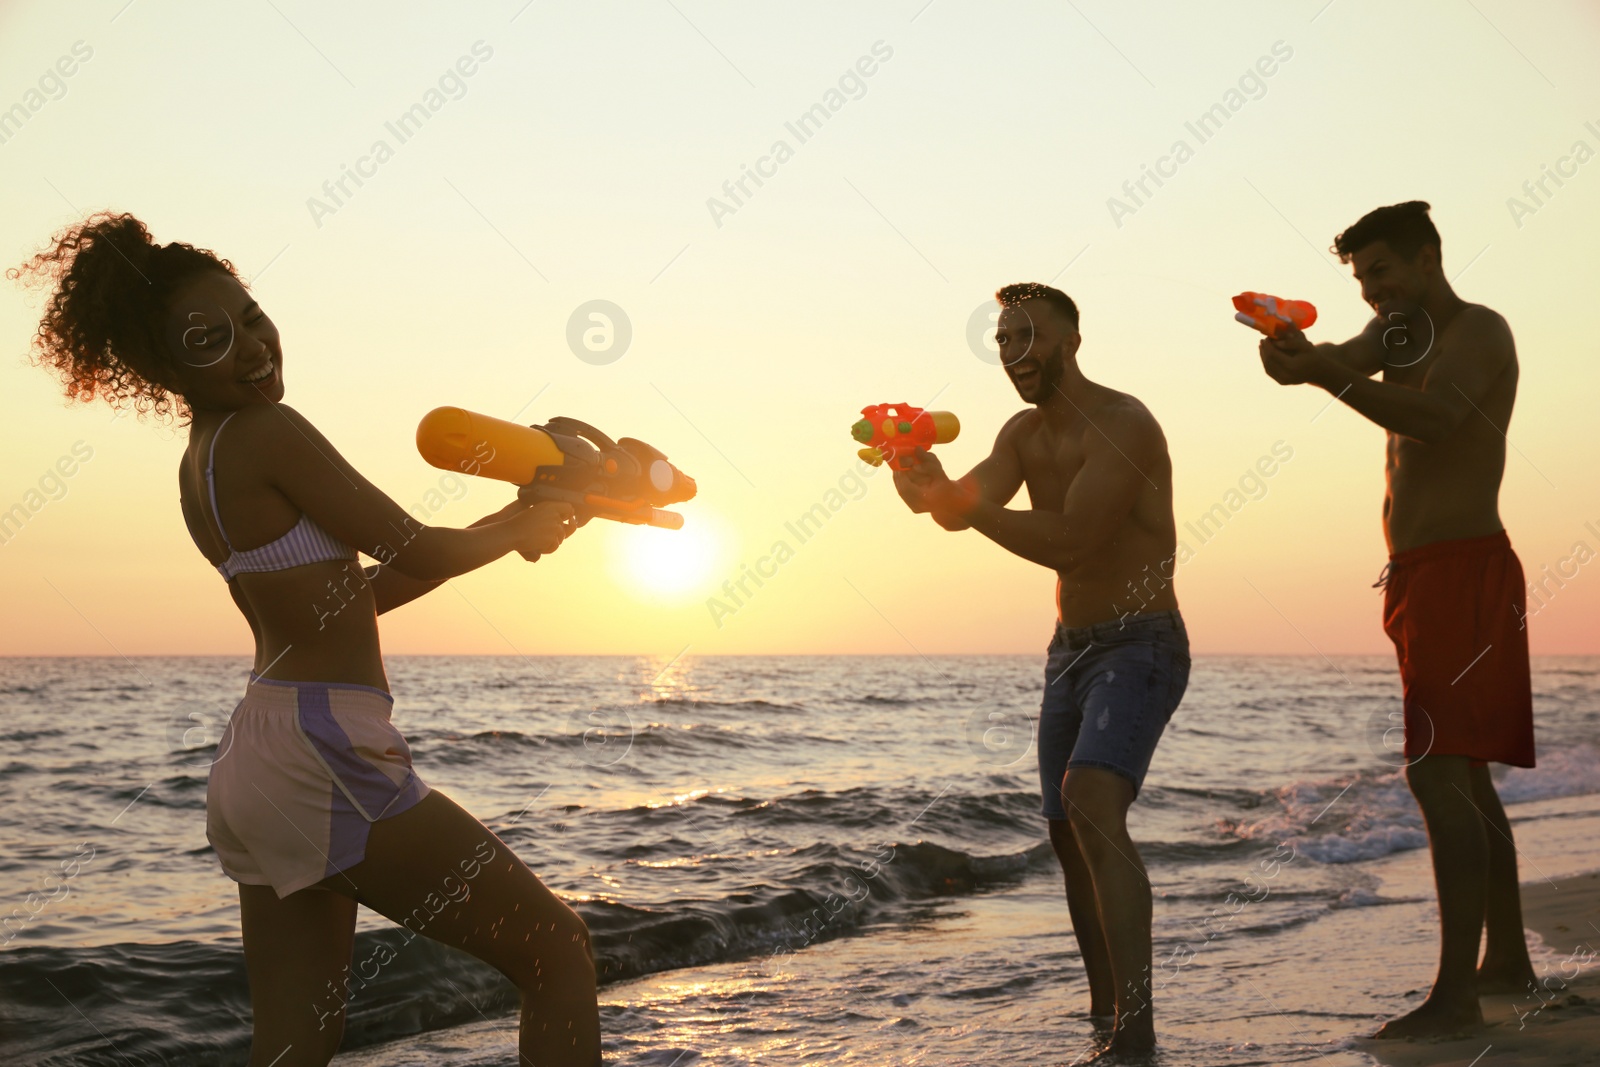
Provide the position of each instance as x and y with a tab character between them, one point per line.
665	563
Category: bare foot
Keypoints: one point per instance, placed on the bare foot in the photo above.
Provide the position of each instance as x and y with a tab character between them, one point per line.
1494	978
1092	1054
1135	1035
1112	1056
1434	1019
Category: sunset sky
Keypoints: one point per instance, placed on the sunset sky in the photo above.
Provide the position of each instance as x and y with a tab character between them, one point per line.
585	158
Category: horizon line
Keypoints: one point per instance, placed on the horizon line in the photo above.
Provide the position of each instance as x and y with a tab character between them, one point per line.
724	655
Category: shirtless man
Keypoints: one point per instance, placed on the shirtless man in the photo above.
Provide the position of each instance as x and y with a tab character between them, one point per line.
1454	599
1100	488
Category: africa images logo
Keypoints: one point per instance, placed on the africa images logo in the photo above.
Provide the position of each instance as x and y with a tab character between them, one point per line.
1398	339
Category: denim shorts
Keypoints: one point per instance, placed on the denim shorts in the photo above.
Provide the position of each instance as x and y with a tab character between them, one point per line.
1109	690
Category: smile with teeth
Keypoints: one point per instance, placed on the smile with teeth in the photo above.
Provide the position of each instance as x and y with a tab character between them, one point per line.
264	373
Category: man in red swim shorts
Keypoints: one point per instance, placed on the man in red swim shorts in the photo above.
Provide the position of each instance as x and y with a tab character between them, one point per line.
1454	593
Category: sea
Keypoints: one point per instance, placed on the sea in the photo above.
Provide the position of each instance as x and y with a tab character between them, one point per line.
783	860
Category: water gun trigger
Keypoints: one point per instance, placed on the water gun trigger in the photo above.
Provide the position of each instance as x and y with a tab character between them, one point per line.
1273	315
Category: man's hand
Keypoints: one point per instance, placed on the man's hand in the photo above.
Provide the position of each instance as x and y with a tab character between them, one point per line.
915	484
926	488
1290	359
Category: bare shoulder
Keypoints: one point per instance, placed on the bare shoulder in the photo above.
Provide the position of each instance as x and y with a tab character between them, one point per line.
277	442
1017	428
266	421
277	432
1479	338
1123	418
1481	323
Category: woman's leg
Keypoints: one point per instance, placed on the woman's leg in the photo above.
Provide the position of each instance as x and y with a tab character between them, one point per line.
440	872
296	953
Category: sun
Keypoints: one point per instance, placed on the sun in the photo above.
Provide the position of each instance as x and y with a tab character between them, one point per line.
665	563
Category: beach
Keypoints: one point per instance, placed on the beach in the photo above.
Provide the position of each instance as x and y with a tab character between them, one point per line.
1556	1024
797	860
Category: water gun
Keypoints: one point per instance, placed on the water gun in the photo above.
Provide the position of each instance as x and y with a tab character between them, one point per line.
562	460
1269	314
894	432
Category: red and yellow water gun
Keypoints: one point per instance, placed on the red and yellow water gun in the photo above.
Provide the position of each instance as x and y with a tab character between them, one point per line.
1270	314
894	432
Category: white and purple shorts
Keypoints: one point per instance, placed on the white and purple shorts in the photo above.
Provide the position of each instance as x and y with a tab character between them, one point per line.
302	772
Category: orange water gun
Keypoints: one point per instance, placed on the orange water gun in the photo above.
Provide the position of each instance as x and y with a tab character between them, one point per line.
1270	314
894	432
563	460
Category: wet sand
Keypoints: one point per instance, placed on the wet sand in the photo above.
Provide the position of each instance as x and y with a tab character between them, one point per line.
1555	1025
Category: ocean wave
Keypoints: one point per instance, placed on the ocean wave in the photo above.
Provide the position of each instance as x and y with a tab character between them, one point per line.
197	996
735	705
1366	816
613	727
19	736
1358	845
1565	772
189	1001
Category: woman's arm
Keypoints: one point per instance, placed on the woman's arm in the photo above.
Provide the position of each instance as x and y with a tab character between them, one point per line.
390	588
294	458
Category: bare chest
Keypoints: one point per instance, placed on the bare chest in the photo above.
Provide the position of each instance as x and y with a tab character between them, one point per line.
1049	466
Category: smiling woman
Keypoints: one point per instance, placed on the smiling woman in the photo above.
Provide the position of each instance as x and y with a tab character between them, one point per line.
312	804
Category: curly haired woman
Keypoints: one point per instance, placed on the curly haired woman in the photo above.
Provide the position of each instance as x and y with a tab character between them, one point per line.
312	806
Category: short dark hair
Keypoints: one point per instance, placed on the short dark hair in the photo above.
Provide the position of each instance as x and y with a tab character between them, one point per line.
1406	228
1011	295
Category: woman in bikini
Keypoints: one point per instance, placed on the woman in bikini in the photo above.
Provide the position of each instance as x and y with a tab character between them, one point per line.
312	805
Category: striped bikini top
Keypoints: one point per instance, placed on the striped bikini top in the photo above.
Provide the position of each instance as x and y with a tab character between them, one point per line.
305	543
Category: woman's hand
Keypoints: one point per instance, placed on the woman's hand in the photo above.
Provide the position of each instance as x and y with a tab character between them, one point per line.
542	528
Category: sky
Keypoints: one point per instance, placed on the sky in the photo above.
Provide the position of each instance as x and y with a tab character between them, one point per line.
582	152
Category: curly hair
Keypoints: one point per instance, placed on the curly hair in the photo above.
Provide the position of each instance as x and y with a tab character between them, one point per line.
102	328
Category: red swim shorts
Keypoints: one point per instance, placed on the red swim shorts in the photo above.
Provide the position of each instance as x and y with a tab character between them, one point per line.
1456	612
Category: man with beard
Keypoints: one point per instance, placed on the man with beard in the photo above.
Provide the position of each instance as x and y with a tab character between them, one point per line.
1100	487
1454	593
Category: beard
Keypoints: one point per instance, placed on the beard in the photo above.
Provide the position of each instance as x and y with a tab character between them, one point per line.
1051	369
